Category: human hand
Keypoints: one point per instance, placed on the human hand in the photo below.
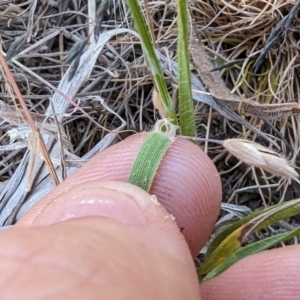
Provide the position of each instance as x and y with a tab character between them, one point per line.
94	238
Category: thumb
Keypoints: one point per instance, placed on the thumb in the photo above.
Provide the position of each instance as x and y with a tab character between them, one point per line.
129	249
187	184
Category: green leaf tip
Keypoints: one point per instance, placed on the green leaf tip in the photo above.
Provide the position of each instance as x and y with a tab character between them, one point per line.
151	153
187	118
147	44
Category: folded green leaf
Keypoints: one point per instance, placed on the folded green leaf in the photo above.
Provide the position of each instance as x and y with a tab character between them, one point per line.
150	155
290	208
186	108
232	238
251	249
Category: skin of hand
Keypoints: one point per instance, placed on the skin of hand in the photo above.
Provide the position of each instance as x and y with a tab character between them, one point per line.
97	237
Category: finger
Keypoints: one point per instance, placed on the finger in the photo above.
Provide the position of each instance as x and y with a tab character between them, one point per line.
137	252
187	184
272	274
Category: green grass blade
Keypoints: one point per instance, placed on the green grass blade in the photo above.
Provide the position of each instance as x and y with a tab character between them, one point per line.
150	155
230	240
221	236
186	109
251	249
283	210
153	62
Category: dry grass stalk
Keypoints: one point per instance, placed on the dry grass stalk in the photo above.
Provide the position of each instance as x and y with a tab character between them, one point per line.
28	116
16	45
33	146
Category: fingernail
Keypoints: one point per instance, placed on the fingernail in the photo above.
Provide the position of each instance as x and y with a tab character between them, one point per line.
118	200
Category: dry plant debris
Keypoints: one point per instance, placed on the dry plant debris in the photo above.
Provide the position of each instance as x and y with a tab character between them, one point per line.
238	32
221	93
38	36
